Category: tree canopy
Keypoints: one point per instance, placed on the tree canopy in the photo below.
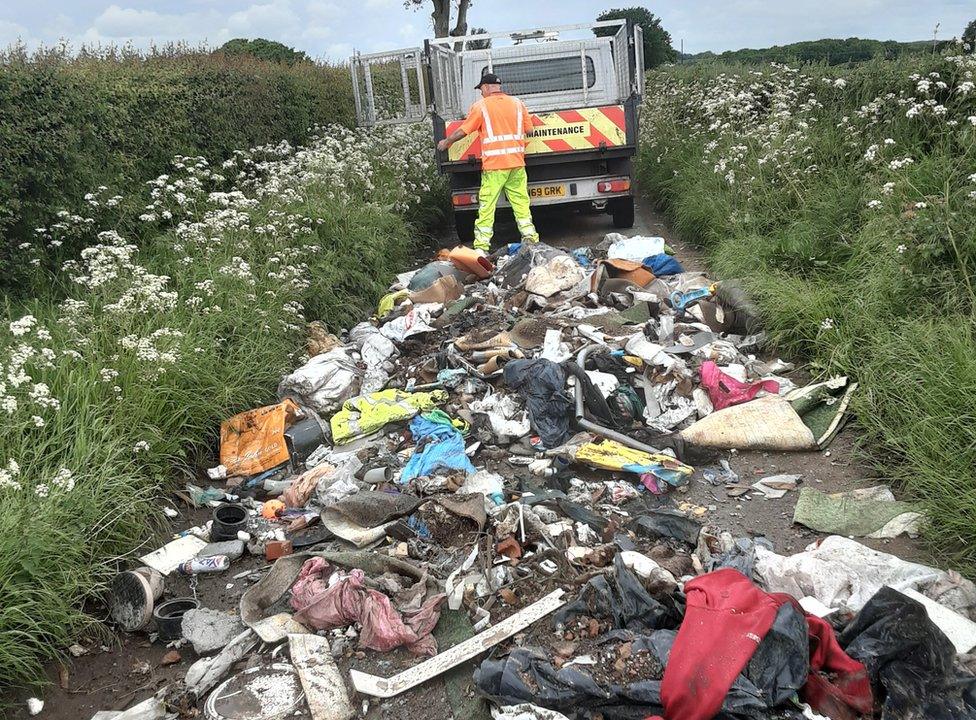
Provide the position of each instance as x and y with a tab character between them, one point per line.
263	49
657	40
969	36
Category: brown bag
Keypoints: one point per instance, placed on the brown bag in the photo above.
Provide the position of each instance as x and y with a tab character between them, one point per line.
254	441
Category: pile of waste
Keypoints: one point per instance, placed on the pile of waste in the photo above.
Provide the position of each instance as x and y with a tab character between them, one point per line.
488	479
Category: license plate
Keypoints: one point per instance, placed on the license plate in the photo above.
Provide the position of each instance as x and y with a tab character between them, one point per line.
547	191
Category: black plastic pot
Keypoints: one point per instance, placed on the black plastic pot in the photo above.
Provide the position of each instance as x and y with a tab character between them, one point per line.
169	616
228	520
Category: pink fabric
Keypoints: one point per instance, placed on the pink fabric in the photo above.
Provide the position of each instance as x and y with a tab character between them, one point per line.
348	600
724	390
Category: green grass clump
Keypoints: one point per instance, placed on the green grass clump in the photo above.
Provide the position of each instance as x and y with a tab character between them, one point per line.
846	201
118	377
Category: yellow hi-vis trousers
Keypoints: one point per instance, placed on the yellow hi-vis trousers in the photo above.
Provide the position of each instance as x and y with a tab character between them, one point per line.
515	184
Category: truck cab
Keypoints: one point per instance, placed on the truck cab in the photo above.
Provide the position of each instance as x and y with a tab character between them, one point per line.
583	94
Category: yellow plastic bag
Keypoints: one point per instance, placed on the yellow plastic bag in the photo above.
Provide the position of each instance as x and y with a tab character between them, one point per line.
254	441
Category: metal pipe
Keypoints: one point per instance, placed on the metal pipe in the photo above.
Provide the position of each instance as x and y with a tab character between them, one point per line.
593	427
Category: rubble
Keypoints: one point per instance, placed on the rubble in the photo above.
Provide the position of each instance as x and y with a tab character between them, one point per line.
508	445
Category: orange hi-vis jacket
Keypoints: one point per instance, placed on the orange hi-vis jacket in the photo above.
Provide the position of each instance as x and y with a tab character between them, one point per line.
502	121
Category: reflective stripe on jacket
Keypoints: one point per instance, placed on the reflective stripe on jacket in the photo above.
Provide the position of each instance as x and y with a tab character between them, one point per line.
502	121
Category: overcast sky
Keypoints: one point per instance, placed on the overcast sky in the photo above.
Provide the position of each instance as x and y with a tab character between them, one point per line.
332	28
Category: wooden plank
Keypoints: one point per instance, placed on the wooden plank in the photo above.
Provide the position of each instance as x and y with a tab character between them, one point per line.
419	674
325	692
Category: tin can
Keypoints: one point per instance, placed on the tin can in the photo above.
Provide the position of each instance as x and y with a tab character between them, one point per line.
200	566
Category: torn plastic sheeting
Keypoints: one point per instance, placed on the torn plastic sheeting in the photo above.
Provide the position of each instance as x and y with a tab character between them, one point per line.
324	382
414	322
542	383
439	447
960	630
869	512
347	600
910	659
321	476
725	390
560	273
634	248
774	487
667	524
620	598
365	414
254	441
518	266
611	455
842	573
376	350
506	417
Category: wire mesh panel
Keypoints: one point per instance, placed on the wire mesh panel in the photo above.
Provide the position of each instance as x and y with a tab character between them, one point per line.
389	87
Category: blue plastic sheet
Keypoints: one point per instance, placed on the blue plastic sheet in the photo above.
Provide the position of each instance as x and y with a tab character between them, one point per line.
441	448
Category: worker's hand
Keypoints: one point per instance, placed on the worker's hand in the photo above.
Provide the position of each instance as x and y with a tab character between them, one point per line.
443	145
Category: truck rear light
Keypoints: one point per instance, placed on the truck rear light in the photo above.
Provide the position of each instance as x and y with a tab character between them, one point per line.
464	199
611	186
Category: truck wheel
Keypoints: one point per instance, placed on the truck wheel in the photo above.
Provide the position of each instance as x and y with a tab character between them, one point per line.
464	226
623	213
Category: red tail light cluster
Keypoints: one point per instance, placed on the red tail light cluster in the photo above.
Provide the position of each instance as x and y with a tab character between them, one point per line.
612	186
464	199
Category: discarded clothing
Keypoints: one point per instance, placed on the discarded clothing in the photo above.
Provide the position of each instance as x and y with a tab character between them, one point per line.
439	447
668	524
347	601
542	383
870	512
323	382
390	301
724	390
909	659
254	441
611	455
365	414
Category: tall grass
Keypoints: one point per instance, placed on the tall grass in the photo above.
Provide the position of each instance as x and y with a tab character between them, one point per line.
846	200
118	376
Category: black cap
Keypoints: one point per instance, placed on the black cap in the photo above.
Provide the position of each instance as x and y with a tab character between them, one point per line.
488	79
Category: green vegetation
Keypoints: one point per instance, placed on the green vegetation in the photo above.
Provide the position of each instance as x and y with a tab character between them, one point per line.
115	379
267	50
69	125
657	40
846	201
832	51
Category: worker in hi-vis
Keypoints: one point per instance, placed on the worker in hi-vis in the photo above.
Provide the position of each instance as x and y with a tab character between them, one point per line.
502	121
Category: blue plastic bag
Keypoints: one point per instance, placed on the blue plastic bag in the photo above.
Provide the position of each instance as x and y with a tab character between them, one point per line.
663	264
444	450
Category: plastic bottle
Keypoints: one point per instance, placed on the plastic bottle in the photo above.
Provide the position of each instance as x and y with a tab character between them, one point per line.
204	565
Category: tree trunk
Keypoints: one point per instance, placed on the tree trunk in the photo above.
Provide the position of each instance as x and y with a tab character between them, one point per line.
461	26
441	17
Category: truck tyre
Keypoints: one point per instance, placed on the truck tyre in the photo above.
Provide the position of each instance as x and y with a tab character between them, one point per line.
464	226
623	213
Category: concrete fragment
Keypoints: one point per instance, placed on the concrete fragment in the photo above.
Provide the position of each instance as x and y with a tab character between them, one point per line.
209	630
233	549
325	691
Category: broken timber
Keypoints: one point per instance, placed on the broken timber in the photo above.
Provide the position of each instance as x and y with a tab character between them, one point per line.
412	677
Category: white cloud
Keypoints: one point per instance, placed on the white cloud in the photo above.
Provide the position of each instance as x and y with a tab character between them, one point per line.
11	32
272	20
